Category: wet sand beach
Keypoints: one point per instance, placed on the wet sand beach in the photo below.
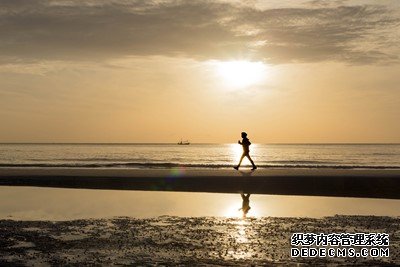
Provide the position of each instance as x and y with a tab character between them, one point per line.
312	182
169	240
184	240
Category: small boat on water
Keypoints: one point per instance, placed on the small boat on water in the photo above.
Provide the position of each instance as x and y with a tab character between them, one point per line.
186	142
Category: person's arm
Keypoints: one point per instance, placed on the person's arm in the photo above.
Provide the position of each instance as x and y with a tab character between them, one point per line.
239	142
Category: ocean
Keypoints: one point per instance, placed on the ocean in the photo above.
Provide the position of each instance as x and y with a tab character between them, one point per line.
145	156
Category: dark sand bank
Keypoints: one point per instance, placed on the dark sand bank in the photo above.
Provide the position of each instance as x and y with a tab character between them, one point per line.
182	241
311	182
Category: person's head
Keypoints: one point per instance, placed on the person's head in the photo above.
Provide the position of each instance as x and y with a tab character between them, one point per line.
244	135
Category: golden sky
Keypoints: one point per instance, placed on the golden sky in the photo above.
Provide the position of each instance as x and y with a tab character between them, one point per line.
156	71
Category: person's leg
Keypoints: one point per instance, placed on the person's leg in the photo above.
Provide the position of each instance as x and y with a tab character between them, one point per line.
252	162
240	161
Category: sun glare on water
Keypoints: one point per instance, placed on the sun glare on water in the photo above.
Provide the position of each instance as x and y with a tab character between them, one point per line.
241	73
233	211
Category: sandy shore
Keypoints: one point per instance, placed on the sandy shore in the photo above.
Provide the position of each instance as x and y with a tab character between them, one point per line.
178	240
311	182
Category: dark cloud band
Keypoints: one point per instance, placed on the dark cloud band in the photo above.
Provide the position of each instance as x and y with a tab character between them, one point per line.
79	30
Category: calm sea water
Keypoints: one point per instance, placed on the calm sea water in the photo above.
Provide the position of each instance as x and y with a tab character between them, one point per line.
378	156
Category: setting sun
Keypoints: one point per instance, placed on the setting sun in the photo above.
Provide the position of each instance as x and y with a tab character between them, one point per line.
241	73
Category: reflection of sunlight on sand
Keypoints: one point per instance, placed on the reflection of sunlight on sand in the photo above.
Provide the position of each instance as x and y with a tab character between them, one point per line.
241	232
240	242
234	212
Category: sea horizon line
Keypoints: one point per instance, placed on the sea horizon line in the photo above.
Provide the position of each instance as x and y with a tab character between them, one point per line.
195	143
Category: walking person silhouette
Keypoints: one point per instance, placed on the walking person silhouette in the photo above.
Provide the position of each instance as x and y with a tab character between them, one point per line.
246	150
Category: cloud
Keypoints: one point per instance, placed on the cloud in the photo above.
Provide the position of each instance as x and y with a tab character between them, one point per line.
40	30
